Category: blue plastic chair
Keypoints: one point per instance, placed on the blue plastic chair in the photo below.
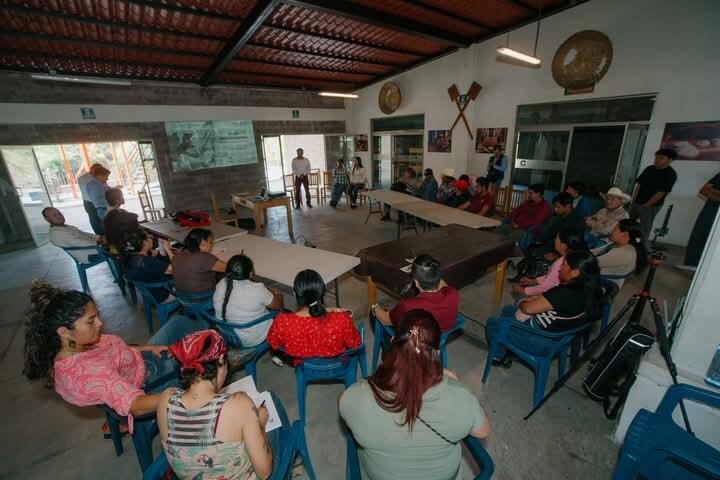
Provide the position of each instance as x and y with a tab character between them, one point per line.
193	304
343	367
229	334
535	347
383	334
82	267
164	310
478	452
288	440
145	428
656	448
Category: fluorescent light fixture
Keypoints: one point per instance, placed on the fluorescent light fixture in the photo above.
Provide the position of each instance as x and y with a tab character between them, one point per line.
340	95
509	52
97	81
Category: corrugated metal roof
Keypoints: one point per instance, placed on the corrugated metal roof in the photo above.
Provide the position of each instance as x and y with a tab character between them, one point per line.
303	44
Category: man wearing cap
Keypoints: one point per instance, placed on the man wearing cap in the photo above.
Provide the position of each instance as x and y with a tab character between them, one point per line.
445	187
429	187
651	188
93	188
603	222
459	195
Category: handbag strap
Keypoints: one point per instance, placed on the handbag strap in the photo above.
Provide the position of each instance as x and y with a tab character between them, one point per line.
435	431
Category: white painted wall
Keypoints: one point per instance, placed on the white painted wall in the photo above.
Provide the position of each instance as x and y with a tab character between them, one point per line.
68	113
660	46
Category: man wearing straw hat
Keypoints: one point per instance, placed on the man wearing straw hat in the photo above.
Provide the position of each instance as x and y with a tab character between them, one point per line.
603	222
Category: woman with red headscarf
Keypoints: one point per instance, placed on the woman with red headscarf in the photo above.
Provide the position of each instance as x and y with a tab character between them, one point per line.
409	418
207	434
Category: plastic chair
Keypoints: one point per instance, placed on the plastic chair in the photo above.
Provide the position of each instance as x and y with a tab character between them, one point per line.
657	448
478	452
535	347
288	443
229	333
144	429
343	367
194	304
82	267
383	334
164	310
219	216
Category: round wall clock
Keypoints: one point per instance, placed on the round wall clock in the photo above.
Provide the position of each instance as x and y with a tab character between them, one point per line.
389	98
582	60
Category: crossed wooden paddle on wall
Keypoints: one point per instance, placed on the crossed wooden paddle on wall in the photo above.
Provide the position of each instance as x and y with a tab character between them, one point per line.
462	103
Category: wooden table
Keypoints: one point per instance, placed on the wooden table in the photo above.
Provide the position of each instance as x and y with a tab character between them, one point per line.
259	207
464	254
174	231
280	262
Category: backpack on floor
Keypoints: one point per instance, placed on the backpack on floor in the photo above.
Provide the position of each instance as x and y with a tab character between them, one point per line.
615	371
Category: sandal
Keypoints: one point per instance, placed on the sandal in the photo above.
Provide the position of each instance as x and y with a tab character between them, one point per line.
106	430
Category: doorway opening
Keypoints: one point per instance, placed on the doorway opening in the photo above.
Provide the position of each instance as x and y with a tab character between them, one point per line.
46	175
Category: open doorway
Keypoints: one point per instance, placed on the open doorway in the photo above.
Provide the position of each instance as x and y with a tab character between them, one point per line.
46	175
279	150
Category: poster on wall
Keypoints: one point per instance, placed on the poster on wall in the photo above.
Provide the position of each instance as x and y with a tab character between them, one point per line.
439	141
361	143
210	144
693	140
487	138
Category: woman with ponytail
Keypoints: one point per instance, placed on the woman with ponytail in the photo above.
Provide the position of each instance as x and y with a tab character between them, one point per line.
313	330
238	299
194	268
409	417
65	346
624	254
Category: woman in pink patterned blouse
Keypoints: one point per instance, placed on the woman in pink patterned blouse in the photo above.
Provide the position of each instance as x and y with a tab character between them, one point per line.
65	345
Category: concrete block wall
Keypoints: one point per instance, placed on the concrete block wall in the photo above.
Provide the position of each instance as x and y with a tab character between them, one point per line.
181	190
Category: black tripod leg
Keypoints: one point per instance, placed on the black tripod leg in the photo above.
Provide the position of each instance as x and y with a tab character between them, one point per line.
661	334
586	355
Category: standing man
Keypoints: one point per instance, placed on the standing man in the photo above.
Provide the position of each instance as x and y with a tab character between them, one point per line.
95	188
82	182
703	224
497	165
651	188
301	170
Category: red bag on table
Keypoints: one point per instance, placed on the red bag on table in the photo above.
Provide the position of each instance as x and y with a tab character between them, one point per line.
188	218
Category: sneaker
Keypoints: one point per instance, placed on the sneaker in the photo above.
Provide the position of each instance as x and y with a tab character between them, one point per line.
277	361
689	268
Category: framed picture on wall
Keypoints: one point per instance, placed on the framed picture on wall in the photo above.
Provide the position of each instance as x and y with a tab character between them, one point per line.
361	143
693	140
486	139
439	141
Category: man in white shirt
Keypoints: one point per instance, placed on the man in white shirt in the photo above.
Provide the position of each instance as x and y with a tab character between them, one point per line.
301	170
65	236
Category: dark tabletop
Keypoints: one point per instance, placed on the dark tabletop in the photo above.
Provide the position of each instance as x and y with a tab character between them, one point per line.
464	255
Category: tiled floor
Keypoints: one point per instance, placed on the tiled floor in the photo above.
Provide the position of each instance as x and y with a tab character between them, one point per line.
43	437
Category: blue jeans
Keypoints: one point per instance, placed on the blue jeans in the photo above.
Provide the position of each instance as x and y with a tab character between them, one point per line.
354	189
176	328
337	191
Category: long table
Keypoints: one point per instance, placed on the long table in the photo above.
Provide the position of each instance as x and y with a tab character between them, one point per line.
259	208
464	254
431	212
172	230
280	262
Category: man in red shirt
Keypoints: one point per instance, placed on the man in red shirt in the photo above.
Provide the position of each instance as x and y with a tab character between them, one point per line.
483	202
534	211
434	295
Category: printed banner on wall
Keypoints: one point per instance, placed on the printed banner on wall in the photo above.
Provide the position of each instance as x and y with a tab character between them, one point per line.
439	141
361	143
693	140
210	144
486	139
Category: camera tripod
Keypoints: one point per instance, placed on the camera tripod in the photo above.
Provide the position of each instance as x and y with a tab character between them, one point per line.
637	303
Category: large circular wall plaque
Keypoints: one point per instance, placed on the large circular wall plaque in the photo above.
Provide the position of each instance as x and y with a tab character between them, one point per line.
389	98
582	60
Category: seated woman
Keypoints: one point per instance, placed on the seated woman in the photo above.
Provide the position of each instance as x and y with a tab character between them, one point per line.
575	301
313	330
409	417
64	344
143	264
238	299
566	240
228	432
117	221
624	254
194	268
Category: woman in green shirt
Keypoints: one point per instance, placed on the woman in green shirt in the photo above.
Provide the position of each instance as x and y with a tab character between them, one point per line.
409	418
